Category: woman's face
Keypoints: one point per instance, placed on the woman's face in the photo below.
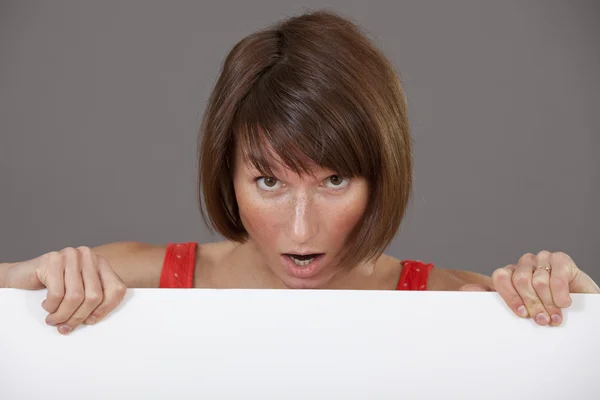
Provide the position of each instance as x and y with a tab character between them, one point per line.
299	223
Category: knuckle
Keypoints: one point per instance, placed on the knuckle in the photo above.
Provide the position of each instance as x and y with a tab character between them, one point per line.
120	290
515	301
75	321
527	257
84	249
563	261
501	274
543	253
69	251
521	279
59	319
87	254
75	297
54	297
559	257
535	304
116	293
99	313
93	298
539	283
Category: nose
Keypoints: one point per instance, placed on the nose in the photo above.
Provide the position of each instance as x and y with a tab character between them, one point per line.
303	223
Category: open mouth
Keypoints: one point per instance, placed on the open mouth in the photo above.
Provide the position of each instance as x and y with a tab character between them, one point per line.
302	260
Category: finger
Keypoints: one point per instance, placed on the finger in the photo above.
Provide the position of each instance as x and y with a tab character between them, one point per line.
502	279
51	274
523	283
541	284
74	293
114	291
92	288
567	278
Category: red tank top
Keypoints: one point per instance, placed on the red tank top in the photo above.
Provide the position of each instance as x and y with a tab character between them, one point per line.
180	260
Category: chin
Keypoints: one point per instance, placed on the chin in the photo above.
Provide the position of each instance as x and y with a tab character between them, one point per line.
295	283
314	282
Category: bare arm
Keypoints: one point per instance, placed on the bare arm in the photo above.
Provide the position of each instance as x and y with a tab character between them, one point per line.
138	264
3	271
453	280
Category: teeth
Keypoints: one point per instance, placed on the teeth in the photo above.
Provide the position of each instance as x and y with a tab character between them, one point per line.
301	262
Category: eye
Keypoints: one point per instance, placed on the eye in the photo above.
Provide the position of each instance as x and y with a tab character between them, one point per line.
268	183
336	182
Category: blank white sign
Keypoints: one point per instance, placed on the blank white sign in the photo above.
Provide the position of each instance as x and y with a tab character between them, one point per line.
293	344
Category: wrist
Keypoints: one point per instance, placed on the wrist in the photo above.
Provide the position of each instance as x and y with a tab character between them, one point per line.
4	268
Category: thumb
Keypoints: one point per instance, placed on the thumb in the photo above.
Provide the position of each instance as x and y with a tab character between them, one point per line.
475	287
565	272
582	283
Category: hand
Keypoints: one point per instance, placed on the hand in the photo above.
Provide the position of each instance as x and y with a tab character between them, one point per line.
538	286
82	287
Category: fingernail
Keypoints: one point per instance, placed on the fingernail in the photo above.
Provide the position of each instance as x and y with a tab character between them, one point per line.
556	319
64	329
50	322
542	319
90	320
522	311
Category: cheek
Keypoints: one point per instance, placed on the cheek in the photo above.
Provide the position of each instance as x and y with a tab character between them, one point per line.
343	221
260	218
342	218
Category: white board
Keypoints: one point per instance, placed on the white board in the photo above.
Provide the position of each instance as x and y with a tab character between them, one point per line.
286	344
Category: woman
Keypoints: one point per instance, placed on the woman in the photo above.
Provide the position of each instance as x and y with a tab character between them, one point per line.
306	170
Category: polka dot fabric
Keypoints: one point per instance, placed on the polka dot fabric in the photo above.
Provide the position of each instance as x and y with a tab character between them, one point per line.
414	275
178	267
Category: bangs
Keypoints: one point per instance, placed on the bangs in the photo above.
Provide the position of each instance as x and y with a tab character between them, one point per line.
302	125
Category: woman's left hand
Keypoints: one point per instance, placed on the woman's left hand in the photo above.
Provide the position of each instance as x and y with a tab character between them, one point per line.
539	286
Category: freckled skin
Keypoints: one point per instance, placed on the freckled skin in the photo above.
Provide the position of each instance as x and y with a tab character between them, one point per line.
291	213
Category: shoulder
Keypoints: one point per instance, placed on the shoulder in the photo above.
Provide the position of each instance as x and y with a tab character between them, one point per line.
137	264
211	254
209	257
440	279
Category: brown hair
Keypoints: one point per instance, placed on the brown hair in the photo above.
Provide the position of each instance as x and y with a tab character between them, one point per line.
315	86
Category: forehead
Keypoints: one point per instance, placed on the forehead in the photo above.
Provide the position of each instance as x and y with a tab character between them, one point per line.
268	162
299	150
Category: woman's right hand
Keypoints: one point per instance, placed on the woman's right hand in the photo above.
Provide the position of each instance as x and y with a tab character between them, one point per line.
82	286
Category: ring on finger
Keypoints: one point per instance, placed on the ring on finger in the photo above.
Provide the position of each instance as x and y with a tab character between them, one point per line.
545	268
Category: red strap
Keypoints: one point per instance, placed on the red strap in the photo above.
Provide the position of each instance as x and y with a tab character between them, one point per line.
414	275
178	266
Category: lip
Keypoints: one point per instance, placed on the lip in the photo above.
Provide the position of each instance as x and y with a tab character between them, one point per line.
303	272
303	253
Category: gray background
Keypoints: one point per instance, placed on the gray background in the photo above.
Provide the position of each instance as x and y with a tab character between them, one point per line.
100	102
